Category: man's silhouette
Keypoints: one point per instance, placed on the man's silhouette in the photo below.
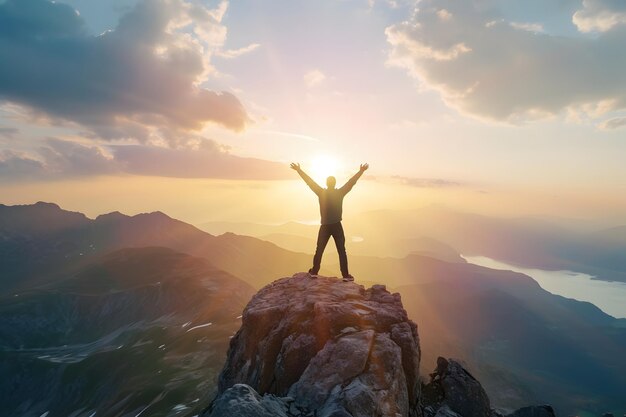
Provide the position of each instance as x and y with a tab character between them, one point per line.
331	201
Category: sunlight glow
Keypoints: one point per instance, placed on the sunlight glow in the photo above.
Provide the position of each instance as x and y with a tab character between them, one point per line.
323	166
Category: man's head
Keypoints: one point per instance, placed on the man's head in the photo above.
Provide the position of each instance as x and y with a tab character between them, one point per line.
331	182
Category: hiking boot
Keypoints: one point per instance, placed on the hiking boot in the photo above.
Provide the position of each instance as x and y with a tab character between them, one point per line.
312	273
348	278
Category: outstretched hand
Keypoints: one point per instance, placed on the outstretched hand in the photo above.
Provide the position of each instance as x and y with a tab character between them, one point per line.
364	167
295	166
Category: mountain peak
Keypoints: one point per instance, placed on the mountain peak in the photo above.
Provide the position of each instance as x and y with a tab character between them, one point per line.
331	346
156	214
114	215
47	205
41	217
39	205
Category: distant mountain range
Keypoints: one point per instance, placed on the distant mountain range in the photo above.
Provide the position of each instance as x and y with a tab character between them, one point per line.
528	242
41	240
73	289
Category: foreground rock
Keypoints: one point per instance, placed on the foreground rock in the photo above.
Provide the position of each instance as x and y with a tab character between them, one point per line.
453	388
454	392
534	411
324	347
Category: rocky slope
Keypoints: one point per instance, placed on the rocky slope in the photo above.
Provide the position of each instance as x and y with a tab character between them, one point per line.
138	331
326	348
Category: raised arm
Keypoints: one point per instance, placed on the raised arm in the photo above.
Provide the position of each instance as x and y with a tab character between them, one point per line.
348	186
309	181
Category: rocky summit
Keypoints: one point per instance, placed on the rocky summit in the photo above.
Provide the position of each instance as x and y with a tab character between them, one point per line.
327	348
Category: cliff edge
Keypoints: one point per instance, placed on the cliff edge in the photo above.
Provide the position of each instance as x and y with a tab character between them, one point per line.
327	348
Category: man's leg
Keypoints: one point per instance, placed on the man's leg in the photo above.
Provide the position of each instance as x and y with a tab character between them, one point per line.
340	242
322	239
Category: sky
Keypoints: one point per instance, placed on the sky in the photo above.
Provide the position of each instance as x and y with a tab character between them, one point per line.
196	108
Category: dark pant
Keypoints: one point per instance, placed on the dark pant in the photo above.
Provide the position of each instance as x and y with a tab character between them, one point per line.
326	231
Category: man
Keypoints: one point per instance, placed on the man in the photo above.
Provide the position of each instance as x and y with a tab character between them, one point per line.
331	201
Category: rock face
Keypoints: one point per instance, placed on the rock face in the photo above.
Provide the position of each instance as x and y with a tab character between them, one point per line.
325	348
243	401
322	347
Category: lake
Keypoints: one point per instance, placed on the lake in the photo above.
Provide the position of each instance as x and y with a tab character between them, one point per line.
610	297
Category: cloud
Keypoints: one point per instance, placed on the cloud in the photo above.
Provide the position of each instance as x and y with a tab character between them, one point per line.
235	53
141	80
8	132
57	159
393	4
600	15
486	68
444	15
314	77
426	182
612	124
530	27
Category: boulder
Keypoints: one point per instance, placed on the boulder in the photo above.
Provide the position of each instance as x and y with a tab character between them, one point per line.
454	388
534	411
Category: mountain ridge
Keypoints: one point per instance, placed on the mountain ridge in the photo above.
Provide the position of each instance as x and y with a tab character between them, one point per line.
31	232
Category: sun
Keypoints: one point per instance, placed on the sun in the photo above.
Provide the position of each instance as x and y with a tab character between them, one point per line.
323	166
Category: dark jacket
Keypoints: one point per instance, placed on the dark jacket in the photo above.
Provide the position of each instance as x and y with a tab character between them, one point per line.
331	199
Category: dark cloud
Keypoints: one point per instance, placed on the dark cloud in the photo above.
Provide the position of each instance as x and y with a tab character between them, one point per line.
426	182
66	159
14	166
140	78
211	161
488	67
56	159
72	159
615	123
